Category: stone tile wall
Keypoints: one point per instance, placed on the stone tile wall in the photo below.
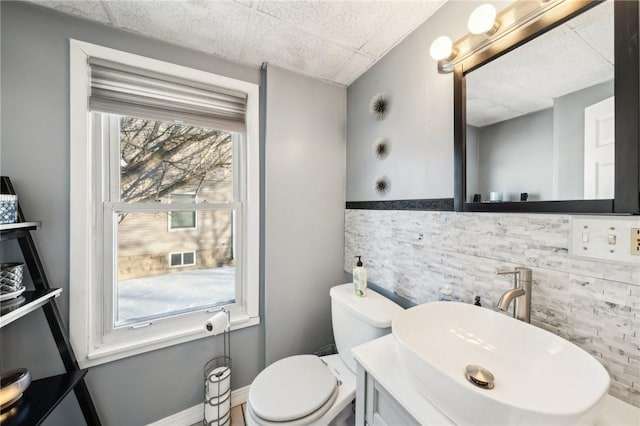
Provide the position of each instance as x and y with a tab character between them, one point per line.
594	304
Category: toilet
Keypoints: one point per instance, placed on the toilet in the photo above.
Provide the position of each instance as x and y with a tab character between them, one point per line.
311	390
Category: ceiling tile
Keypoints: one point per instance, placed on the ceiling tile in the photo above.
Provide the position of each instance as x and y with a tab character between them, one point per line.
489	113
317	38
601	11
596	28
557	54
352	69
85	9
270	40
402	23
212	26
350	23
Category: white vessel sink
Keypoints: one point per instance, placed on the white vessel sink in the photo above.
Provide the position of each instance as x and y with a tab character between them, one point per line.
539	378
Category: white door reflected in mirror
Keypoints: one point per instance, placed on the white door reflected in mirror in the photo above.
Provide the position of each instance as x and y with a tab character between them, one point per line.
599	150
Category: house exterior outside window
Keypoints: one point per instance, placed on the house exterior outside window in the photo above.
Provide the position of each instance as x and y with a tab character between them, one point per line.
182	220
168	209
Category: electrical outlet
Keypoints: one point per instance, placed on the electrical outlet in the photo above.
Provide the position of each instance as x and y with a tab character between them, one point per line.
635	241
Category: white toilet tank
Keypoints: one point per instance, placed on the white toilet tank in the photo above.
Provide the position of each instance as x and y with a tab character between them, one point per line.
357	320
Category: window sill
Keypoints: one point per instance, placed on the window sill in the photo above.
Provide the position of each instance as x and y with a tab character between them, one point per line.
115	352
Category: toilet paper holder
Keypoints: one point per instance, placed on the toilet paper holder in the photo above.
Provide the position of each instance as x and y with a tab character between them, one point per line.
217	383
218	323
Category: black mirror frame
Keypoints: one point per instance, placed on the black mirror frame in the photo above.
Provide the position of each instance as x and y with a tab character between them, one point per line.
627	109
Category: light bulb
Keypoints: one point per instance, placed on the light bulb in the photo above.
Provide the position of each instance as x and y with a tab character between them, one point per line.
482	19
441	48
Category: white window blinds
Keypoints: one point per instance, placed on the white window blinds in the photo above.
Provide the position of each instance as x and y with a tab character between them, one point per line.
126	90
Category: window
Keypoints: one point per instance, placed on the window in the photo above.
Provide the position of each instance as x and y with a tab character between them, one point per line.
166	216
182	219
186	258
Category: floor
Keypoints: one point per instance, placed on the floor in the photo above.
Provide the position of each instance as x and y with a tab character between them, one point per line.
237	415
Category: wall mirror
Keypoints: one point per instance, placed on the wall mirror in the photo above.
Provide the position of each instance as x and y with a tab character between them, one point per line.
542	118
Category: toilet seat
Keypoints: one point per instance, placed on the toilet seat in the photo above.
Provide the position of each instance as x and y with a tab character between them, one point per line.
304	421
294	390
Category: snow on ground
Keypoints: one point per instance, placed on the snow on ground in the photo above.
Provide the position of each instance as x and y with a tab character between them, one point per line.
178	291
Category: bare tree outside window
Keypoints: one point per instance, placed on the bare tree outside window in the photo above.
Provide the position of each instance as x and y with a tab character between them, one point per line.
157	159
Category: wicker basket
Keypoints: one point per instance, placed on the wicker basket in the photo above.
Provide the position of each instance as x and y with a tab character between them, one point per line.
10	277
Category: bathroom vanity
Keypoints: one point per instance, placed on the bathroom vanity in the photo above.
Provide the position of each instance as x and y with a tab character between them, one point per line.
386	396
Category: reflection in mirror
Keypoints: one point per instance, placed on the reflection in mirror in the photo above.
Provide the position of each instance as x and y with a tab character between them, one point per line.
540	119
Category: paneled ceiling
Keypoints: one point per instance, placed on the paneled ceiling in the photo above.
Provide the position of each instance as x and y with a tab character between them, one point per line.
335	41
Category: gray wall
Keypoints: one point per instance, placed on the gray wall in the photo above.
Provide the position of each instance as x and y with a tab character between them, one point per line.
305	197
304	214
517	156
473	162
568	134
35	154
419	124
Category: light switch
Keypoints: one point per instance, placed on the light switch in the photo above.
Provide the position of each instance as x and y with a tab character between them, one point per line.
600	237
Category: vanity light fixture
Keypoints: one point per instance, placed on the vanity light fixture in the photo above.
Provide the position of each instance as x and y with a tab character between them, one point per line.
485	28
483	20
442	48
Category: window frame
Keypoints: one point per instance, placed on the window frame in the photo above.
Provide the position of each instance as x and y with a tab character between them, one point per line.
87	319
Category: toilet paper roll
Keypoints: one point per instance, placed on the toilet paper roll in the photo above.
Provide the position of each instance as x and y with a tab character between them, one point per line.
213	416
218	381
217	323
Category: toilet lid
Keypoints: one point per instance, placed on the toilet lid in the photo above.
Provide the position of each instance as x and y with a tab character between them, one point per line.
291	388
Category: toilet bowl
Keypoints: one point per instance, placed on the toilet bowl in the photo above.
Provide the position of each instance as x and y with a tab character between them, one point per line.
311	390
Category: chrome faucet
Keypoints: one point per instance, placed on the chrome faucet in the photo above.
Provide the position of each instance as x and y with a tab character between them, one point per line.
521	292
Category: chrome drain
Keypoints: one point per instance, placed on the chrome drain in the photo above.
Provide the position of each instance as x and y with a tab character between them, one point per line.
479	376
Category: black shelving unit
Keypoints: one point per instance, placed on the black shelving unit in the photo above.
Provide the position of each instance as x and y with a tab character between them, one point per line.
29	301
43	395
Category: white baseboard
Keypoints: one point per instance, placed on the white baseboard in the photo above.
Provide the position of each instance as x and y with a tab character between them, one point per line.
196	413
239	396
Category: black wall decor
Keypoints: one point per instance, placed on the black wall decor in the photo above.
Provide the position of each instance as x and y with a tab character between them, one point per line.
382	148
382	185
379	105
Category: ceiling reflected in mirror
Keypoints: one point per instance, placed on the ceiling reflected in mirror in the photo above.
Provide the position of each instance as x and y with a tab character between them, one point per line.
573	56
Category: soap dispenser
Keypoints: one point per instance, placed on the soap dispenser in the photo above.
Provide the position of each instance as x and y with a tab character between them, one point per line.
359	278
